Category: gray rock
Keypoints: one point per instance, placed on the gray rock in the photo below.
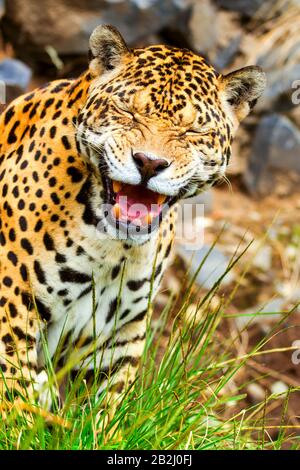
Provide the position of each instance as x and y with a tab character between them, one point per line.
204	27
264	315
15	72
66	25
246	7
273	307
226	55
278	94
213	33
15	75
214	266
263	258
276	147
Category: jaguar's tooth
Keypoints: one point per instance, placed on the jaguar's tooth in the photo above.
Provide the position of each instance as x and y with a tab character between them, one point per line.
149	218
161	199
117	186
117	211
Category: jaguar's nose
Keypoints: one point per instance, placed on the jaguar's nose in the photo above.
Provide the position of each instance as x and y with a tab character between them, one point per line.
149	167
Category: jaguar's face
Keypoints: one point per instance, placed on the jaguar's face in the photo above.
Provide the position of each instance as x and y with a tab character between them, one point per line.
159	124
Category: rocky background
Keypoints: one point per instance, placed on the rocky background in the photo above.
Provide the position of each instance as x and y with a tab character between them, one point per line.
51	37
260	202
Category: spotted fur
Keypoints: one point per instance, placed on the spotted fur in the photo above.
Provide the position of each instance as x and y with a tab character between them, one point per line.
57	145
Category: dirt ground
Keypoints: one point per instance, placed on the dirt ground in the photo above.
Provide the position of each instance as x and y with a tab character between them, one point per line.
281	215
273	224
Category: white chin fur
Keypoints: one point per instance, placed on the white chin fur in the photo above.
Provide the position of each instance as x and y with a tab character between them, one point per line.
114	234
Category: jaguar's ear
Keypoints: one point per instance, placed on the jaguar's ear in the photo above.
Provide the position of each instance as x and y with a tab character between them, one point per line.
242	88
107	49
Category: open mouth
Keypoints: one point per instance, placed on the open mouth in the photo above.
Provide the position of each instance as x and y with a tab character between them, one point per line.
134	207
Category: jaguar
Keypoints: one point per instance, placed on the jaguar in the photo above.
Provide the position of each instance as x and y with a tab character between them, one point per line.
91	170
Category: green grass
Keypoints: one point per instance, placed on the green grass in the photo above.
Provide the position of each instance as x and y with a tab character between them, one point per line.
176	402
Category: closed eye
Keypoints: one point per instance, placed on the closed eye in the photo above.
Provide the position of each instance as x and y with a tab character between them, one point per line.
200	131
122	107
128	113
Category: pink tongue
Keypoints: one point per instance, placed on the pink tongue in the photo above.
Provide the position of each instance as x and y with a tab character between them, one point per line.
137	203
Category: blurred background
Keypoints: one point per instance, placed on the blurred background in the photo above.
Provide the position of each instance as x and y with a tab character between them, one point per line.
260	202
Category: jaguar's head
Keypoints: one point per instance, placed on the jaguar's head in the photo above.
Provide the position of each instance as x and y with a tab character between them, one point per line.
158	123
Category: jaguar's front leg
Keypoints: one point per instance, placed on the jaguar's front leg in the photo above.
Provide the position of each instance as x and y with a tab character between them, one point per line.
118	367
20	381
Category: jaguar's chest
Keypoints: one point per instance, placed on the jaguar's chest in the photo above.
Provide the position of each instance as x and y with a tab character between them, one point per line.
100	295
